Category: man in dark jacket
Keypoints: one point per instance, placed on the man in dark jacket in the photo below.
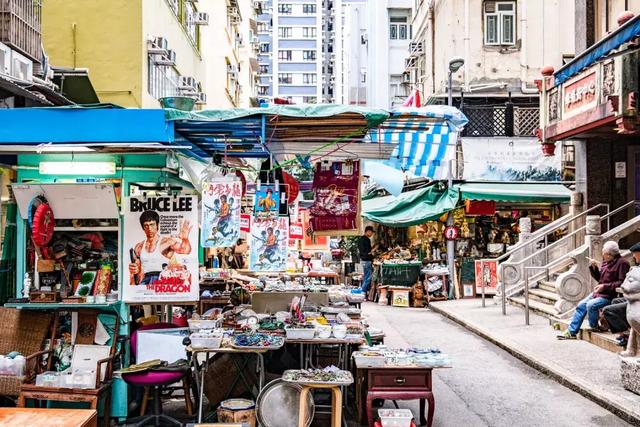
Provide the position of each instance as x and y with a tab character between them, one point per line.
616	313
610	276
366	259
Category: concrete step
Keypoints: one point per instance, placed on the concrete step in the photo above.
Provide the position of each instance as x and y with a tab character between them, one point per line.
604	340
544	296
545	310
547	285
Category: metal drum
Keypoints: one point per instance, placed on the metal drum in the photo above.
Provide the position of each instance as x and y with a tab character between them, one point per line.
278	403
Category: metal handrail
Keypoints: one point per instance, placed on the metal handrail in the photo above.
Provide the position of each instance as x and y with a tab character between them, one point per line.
526	289
536	236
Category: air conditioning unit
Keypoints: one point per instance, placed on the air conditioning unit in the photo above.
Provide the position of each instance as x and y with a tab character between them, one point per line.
234	14
201	18
158	46
21	67
5	59
168	60
202	98
185	82
415	48
232	68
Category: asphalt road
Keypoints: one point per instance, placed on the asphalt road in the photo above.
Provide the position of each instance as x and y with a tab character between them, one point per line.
486	386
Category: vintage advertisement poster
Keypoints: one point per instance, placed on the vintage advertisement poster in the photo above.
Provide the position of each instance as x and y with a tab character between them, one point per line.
267	202
487	272
508	159
161	248
220	226
269	241
336	190
311	242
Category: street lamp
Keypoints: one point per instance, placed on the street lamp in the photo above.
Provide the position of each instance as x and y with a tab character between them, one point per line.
454	65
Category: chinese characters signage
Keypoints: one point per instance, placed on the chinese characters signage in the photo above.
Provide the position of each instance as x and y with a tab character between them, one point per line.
162	246
580	94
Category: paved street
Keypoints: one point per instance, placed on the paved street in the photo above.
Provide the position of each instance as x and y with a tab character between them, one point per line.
487	386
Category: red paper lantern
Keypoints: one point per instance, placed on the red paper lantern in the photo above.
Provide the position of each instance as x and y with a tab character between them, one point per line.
43	225
292	187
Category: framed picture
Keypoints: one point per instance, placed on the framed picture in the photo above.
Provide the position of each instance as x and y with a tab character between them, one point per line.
468	291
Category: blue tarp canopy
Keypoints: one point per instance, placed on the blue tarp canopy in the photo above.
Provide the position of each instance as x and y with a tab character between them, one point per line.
624	34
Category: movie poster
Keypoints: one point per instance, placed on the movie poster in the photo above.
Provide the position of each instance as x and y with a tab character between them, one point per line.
269	241
220	226
487	272
267	202
161	249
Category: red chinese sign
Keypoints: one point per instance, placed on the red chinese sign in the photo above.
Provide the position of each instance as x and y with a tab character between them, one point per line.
579	95
245	223
296	231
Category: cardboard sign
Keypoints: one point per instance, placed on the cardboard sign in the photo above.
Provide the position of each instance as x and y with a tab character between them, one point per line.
245	223
296	231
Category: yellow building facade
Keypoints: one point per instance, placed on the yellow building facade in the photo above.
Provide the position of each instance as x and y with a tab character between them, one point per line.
136	51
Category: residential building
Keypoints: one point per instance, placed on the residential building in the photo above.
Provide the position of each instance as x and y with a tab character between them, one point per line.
504	45
293	46
594	19
229	53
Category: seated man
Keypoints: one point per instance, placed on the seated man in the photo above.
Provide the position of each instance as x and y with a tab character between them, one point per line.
610	276
616	313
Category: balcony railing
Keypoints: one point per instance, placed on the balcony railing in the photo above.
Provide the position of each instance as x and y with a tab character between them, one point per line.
20	26
501	120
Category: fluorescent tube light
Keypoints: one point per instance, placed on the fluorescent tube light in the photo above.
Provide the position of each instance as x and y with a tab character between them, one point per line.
78	168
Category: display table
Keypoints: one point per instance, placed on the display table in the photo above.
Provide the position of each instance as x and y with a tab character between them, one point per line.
393	383
272	302
200	368
307	347
37	417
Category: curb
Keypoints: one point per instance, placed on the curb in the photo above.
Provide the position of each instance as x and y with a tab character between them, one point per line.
552	372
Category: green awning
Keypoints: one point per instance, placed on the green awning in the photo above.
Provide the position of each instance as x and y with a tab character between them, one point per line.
515	192
410	208
372	116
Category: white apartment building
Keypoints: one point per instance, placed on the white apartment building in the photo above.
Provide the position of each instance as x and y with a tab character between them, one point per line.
371	41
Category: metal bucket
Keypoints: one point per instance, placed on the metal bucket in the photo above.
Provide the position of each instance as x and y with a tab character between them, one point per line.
278	403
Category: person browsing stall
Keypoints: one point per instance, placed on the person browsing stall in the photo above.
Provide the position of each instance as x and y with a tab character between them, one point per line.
610	276
366	258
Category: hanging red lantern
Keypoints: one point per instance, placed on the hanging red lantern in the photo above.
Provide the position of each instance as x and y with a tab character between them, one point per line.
292	187
240	175
43	225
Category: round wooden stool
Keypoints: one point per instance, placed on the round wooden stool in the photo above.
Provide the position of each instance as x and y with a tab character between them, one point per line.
336	403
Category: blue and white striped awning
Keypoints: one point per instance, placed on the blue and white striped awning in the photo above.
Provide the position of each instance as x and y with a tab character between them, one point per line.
425	137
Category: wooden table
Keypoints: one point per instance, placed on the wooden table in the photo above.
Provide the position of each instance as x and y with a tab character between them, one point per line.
393	383
36	417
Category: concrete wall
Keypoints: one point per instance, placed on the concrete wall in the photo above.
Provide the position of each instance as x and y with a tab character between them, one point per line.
544	32
104	36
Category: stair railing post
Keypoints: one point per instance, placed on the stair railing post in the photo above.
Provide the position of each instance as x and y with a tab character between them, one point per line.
526	296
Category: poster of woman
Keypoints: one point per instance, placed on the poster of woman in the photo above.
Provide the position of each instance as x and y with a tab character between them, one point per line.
161	240
269	241
220	224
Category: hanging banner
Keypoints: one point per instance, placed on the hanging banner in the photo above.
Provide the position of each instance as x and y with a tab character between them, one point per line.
220	226
296	231
245	223
508	159
269	241
336	189
161	244
266	202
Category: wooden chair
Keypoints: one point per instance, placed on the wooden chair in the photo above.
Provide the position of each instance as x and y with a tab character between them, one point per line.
102	389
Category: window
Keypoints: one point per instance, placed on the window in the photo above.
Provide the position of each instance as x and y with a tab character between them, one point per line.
284	55
263	27
308	8
398	28
309	78
309	55
264	69
163	81
499	23
284	9
309	100
309	32
263	90
285	32
265	48
285	78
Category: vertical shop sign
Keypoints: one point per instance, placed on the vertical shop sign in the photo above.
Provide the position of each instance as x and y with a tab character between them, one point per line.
245	223
269	242
161	242
220	226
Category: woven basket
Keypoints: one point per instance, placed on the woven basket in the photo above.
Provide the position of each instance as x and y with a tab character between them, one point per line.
23	331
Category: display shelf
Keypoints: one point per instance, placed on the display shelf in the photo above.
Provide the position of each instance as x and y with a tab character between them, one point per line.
109	228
